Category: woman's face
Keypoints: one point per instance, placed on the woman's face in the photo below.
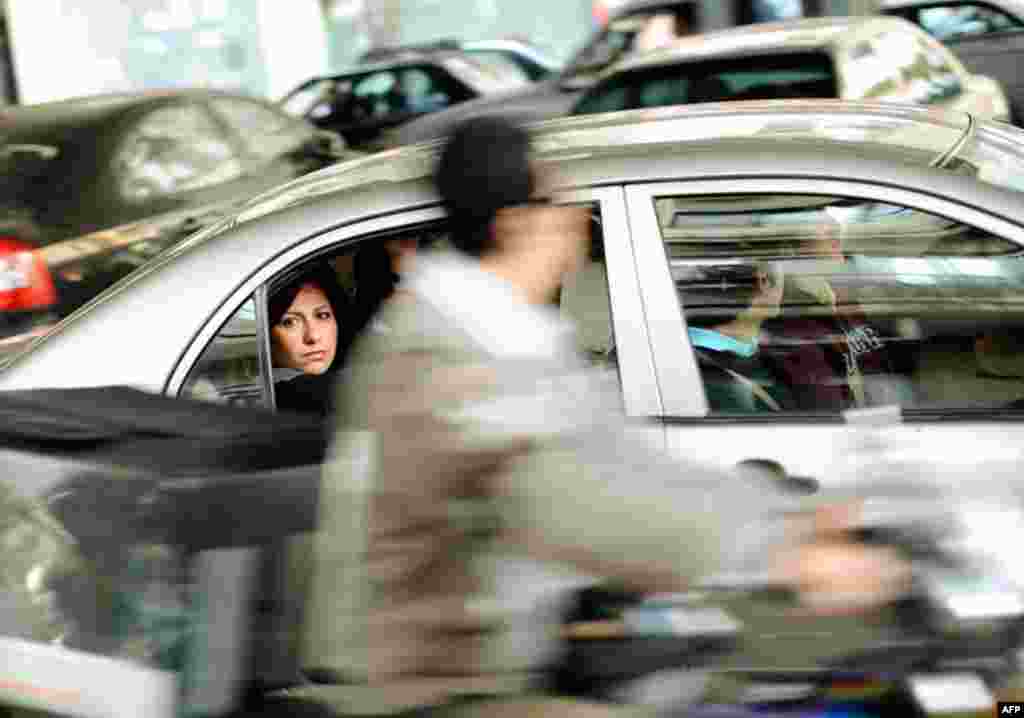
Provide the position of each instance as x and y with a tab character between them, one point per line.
306	337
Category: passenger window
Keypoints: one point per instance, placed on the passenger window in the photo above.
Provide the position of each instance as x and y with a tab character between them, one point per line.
954	21
228	371
814	303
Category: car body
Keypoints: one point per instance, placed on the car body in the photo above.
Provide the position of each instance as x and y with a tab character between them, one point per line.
95	186
554	96
364	102
529	60
930	202
987	36
856	58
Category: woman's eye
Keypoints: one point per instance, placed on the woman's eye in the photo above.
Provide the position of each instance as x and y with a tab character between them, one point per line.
324	316
287	323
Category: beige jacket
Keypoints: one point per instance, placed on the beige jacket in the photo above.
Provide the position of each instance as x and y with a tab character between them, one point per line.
471	433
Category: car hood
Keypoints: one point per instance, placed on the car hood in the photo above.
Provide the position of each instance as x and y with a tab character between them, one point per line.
542	101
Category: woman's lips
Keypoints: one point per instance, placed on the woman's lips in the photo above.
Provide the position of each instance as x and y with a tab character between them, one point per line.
315	356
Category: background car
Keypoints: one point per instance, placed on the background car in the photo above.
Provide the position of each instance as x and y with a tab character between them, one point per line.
987	36
528	59
870	59
555	96
362	103
92	188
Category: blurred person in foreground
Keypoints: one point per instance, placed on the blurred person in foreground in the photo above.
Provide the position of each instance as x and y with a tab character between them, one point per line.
472	435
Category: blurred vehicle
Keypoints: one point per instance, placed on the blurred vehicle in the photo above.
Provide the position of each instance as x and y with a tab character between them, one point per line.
530	61
932	228
362	103
91	188
870	59
929	203
988	36
555	96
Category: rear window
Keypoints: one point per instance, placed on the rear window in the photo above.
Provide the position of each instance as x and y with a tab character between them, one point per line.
798	75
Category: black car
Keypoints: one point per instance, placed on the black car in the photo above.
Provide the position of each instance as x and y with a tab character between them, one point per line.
364	102
556	95
92	187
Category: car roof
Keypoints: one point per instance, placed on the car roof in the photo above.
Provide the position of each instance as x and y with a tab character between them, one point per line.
761	38
672	129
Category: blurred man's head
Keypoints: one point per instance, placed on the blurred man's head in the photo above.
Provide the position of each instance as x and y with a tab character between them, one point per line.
489	185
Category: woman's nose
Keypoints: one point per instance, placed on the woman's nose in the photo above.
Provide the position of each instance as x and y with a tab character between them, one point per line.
311	335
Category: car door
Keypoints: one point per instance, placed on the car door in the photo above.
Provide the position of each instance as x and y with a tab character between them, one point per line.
988	39
916	311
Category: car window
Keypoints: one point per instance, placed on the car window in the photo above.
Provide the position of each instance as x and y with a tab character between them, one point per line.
375	96
804	75
173	150
266	132
423	89
228	371
820	303
958	20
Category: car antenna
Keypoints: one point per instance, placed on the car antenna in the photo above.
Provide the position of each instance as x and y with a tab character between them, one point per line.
943	160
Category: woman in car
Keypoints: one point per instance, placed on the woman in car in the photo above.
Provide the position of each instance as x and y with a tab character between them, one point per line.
306	339
726	307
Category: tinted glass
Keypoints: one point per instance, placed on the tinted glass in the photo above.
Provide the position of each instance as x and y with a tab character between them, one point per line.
956	20
174	150
813	303
758	78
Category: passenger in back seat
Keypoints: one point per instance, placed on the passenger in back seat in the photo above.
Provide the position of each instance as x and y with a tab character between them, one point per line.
828	353
726	308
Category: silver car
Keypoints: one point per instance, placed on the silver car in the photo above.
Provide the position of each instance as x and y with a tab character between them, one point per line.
870	258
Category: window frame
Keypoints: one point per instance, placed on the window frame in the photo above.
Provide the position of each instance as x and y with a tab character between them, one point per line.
641	396
678	377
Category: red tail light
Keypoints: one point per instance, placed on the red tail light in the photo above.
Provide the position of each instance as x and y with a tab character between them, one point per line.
25	281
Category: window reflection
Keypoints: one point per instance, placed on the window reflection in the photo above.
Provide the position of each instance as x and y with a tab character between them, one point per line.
174	150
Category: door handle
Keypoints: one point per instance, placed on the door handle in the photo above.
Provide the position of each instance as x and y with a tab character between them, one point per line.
775	473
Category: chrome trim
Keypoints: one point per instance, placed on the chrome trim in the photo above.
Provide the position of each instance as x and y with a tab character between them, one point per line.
946	157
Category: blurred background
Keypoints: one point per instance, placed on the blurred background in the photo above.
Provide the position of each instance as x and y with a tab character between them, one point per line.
249	45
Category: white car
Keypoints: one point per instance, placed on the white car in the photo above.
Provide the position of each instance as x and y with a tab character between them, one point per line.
874	59
987	36
928	205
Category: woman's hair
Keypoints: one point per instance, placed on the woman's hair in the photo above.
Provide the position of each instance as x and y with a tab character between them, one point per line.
484	167
321	276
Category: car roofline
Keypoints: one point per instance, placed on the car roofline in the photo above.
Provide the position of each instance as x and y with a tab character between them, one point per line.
779	38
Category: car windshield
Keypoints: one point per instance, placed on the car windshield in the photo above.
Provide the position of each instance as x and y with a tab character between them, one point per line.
767	77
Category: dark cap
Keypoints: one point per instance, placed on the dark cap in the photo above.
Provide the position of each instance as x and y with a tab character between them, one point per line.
484	167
